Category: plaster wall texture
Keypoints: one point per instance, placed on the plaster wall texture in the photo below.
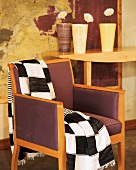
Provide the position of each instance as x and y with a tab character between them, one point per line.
129	69
20	37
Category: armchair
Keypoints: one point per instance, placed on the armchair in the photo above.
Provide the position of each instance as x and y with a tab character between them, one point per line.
48	136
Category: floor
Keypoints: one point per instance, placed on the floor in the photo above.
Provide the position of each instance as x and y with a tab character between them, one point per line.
48	163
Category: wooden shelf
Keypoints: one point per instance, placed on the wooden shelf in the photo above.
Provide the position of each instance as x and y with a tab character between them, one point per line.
118	55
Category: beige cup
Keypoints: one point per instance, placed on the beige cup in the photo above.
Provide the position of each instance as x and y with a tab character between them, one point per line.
79	33
107	33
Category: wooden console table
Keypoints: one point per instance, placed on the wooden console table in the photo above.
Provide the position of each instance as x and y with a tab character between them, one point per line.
119	55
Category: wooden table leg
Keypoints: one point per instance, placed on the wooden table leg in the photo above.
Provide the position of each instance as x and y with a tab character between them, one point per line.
87	72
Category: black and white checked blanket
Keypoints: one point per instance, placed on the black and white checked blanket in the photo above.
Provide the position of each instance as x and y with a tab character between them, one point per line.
88	143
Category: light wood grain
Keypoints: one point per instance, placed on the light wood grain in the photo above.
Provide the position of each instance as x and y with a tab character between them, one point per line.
119	55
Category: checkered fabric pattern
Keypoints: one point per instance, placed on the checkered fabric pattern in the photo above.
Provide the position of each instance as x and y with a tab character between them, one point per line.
34	79
88	144
87	140
10	112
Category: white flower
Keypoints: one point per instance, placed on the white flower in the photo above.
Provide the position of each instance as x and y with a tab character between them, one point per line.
62	15
109	12
88	17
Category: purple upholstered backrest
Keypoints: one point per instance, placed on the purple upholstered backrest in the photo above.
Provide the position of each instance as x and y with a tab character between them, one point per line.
61	78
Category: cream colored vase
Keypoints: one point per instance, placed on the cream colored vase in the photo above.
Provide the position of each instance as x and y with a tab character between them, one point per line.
107	33
79	33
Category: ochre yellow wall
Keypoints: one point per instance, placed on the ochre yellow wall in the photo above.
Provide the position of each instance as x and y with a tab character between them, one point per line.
22	38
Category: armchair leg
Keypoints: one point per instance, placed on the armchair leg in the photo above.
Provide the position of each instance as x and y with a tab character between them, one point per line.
14	162
62	162
121	156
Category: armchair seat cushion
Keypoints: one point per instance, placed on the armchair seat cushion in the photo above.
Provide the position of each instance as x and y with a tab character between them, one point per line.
113	126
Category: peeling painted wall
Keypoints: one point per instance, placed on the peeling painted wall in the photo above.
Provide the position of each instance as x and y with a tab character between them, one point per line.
20	35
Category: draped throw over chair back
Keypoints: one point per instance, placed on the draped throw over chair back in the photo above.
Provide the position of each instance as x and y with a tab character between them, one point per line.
48	136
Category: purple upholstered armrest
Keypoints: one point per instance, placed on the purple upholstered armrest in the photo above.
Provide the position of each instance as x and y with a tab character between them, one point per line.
36	120
100	102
